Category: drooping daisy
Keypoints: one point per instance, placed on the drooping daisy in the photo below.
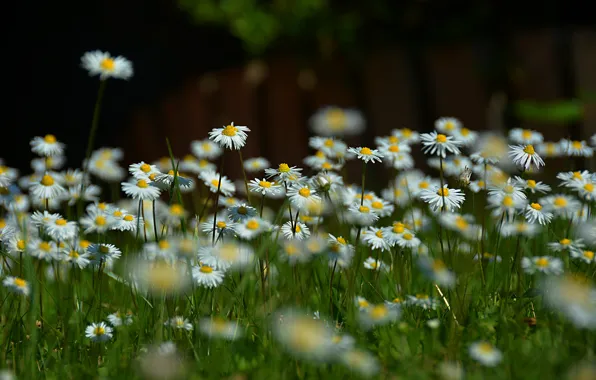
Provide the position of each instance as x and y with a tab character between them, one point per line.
16	285
485	353
571	179
98	332
532	185
544	264
439	144
43	164
103	64
535	213
525	156
47	146
47	188
366	154
264	187
257	164
206	149
141	190
213	182
207	276
376	239
335	121
443	198
230	136
525	136
180	323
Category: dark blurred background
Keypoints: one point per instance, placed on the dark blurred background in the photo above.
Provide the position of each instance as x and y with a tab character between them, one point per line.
271	64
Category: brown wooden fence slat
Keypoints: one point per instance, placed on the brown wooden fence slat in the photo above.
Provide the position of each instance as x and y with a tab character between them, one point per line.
584	57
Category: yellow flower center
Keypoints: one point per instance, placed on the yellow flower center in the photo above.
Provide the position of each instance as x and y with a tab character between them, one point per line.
60	222
536	206
221	225
576	145
291	249
100	220
73	254
507	201
265	184
45	246
363	209
206	269
229	131
215	183
589	187
542	262
565	242
443	192
336	119
99	330
589	255
449	125
379	234
341	240
104	249
19	282
176	209
107	64
366	151
461	223
577	175
163	244
438	265
145	168
398	227
320	154
393	139
21	244
529	149
531	183
142	184
560	202
423	185
49	139
206	146
305	192
464	132
407	236
84	244
47	180
394	148
252	224
421	296
377	205
363	303
441	138
283	168
326	165
297	229
378	312
485	348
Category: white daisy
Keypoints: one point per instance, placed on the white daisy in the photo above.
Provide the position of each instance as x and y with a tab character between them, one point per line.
439	144
98	332
576	148
485	353
141	190
207	276
549	149
520	228
525	156
561	205
241	212
525	136
465	136
535	213
372	264
302	196
448	125
62	229
585	255
566	244
212	181
361	214
47	146
544	264
377	315
180	323
300	231
256	164
47	188
206	149
335	121
443	198
407	240
103	64
532	185
17	285
366	154
142	170
230	136
264	187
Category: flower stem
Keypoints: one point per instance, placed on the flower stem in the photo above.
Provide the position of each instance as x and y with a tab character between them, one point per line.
244	176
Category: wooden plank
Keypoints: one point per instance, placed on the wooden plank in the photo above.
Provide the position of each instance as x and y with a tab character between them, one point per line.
584	60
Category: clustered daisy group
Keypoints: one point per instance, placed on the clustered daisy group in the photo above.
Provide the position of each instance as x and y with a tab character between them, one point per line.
486	188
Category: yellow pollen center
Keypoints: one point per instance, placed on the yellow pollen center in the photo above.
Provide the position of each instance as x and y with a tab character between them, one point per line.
465	132
366	151
163	244
265	184
363	303
485	348
407	236
589	255
576	145
305	192
84	244
19	282
21	244
536	206
507	201
107	64
441	138
461	223
589	187
378	312
60	222
145	168
394	148
320	154
283	168
142	184
328	143
221	224
542	262
326	165
99	330
560	202
341	240
206	269
444	192
176	209
565	242
529	149
47	180
379	234
577	175
377	205
438	265
49	139
45	246
531	183
229	131
449	126
336	119
104	249
74	254
363	209
421	296
252	224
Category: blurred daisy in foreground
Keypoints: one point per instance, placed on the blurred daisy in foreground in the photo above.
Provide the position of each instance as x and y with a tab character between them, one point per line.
230	136
574	297
373	264
257	164
585	255
377	315
436	271
160	277
360	361
335	121
98	332
16	285
303	336
447	125
485	353
212	181
103	64
565	244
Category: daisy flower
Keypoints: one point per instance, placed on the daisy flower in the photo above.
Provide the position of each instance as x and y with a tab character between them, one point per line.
76	256
293	251
116	320
407	135
47	146
561	205
206	149
436	271
230	136
520	228
443	198
16	285
439	144
366	154
47	188
299	232
377	315
447	125
375	239
576	148
465	136
98	332
264	187
505	205
106	170
103	253
380	207
42	249
90	194
485	353
301	196
228	256
544	264
256	164
143	170
535	214
566	244
549	149
584	255
207	276
223	227
525	156
531	185
525	136
571	179
96	221
212	181
329	146
407	240
141	189
160	277
42	164
241	212
9	175
335	121
362	215
573	297
464	224
179	323
166	180
220	328
586	190
103	64
62	229
372	264
284	172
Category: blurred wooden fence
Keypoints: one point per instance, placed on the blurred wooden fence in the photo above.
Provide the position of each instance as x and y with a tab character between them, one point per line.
394	89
